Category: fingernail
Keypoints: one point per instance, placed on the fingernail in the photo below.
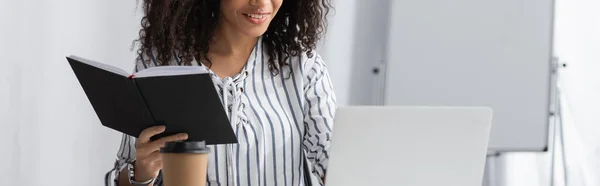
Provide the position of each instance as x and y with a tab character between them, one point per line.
185	136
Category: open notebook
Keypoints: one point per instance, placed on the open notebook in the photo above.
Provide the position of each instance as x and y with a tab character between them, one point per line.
183	98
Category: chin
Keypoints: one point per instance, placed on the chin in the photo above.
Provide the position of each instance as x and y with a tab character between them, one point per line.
254	32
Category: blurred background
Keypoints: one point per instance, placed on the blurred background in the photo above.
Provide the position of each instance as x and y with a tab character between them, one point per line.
507	54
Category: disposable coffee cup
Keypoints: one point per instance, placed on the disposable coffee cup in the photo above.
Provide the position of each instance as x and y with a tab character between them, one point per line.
185	163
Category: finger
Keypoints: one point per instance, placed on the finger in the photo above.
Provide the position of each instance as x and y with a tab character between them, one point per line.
153	157
155	167
142	153
158	165
156	145
149	159
149	132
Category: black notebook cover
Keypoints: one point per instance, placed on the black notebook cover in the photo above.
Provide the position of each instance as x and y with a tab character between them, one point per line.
183	103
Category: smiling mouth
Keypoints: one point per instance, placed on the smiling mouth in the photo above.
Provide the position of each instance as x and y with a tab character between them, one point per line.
255	16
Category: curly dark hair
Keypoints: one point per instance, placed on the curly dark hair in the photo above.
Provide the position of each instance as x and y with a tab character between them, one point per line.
184	28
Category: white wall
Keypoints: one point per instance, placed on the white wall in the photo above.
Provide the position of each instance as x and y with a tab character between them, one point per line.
354	45
337	47
9	87
50	134
578	44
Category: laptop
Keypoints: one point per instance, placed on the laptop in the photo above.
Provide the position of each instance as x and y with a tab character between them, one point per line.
409	146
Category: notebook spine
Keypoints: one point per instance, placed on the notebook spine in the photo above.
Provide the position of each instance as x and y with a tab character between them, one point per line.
137	88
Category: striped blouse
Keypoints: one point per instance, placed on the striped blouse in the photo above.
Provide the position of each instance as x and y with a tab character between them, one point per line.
279	122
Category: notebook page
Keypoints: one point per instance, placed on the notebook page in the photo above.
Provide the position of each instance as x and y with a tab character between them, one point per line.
102	66
170	71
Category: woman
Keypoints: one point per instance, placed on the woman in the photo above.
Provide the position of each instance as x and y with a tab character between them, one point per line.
279	96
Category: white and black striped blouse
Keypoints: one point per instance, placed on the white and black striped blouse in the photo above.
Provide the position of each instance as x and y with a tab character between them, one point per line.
279	120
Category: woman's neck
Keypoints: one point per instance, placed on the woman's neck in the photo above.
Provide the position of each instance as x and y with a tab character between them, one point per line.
229	51
228	42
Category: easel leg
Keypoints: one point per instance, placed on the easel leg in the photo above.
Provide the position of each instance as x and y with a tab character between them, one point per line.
490	177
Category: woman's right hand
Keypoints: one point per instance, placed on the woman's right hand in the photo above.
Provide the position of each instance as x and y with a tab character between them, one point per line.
148	158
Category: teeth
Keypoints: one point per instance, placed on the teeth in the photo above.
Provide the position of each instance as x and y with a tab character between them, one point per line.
255	16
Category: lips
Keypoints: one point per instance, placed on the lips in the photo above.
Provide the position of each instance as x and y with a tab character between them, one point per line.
257	18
